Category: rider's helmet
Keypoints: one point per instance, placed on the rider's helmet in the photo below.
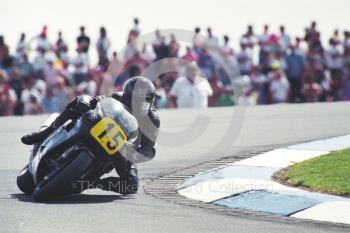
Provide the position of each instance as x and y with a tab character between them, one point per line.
139	94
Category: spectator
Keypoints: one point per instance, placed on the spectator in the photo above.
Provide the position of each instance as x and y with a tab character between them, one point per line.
229	59
226	49
334	60
279	57
135	31
31	97
50	71
40	85
336	37
39	62
218	89
295	68
274	44
3	50
22	46
49	105
284	39
249	37
242	91
83	41
173	47
131	71
190	55
312	90
87	87
162	99
33	107
160	48
263	39
197	39
6	59
137	60
260	85
60	44
15	83
206	64
279	86
334	57
41	41
212	41
346	45
15	80
81	66
8	96
346	94
226	97
61	94
191	91
57	97
102	46
148	55
244	58
24	65
312	36
64	57
298	48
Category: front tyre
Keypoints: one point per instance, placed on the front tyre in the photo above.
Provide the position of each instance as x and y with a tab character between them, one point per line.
25	181
65	177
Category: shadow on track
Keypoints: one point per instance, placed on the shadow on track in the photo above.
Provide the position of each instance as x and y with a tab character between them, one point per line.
74	199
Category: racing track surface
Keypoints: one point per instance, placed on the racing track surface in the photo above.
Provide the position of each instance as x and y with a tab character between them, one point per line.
262	128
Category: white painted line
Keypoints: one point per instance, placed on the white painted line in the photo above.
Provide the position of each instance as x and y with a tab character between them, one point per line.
213	190
337	211
280	158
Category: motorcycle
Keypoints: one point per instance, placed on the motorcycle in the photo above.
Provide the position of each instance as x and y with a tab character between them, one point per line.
79	150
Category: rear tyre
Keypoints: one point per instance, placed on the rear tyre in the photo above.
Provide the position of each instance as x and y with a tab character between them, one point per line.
58	183
25	181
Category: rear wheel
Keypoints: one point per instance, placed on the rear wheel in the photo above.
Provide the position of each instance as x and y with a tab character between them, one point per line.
25	181
57	182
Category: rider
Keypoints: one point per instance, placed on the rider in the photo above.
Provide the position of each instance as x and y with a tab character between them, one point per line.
139	96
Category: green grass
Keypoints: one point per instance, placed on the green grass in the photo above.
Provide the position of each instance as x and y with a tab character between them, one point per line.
328	173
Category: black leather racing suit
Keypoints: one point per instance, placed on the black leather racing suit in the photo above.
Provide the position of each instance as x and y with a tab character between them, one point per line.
127	182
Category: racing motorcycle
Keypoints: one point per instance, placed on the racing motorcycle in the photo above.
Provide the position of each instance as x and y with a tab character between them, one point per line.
78	150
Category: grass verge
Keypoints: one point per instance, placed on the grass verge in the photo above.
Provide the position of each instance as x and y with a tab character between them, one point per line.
328	174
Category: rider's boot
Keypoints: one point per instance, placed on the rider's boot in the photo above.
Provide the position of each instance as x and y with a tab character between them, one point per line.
35	137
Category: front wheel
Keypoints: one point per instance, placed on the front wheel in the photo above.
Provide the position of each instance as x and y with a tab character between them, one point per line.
25	181
55	185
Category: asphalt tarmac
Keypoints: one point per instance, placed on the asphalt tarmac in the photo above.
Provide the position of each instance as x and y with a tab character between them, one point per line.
187	137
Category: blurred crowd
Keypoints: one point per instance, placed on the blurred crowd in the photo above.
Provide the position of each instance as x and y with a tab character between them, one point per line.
41	75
